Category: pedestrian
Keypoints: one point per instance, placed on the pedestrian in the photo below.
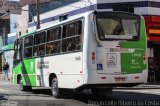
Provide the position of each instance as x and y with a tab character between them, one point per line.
6	70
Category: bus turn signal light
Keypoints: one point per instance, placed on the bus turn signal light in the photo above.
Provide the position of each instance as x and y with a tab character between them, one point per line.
93	57
144	58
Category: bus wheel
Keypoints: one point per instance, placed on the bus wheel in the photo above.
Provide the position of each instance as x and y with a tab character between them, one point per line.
24	88
56	92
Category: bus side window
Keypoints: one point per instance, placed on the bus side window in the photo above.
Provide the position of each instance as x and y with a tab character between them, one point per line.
42	50
72	29
53	34
71	44
72	33
39	38
78	43
39	42
28	52
53	48
35	51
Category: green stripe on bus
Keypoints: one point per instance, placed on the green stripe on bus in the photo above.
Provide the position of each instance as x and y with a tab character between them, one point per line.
133	62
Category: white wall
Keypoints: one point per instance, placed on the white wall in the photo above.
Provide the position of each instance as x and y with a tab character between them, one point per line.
63	10
22	21
84	3
9	58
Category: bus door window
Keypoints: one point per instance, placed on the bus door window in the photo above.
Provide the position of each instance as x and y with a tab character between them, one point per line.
28	42
18	51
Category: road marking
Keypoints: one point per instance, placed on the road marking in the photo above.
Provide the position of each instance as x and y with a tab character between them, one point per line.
3	90
5	83
149	91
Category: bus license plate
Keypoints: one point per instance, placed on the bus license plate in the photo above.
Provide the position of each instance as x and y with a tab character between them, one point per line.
120	79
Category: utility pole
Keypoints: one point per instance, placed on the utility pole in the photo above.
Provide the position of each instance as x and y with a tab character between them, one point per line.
38	17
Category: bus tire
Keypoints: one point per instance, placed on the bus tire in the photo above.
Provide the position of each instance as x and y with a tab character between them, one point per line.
24	88
56	92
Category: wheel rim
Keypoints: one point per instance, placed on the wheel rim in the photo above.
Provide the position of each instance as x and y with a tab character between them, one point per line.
54	88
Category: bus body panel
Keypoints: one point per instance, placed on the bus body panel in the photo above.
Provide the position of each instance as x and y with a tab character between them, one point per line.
64	66
126	59
35	72
109	79
90	66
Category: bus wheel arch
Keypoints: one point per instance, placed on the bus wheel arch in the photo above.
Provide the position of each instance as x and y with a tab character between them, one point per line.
51	76
21	86
18	78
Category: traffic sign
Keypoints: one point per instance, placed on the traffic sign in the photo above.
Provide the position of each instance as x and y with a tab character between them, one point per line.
12	7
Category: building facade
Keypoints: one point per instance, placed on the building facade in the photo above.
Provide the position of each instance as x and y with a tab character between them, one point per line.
4	30
8	31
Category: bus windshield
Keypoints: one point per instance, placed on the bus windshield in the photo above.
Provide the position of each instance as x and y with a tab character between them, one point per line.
117	26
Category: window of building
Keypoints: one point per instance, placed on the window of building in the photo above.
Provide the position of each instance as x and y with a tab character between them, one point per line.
53	34
72	29
123	7
45	7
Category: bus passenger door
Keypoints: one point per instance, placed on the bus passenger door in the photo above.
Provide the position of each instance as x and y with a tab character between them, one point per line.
17	66
18	52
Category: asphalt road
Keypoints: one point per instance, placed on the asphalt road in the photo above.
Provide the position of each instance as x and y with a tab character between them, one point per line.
10	95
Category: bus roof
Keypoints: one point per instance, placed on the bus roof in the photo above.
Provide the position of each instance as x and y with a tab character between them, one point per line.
29	33
56	24
8	47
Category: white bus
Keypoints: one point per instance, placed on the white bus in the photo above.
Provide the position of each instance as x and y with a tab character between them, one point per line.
93	50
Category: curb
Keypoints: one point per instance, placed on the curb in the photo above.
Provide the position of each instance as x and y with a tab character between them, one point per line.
137	88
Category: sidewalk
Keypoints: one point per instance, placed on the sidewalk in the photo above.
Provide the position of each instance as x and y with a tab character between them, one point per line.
2	77
151	85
